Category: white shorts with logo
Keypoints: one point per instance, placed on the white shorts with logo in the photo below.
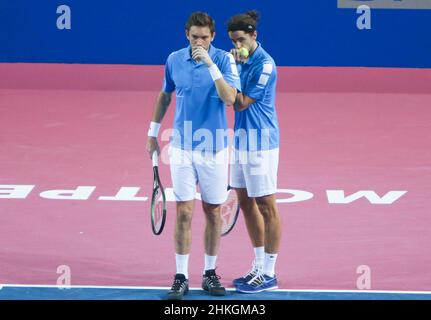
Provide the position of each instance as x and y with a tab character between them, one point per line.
208	170
255	170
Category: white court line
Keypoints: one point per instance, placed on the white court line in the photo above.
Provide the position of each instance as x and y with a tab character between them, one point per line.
198	288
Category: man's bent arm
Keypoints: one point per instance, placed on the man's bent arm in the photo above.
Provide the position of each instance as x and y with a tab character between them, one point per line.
242	102
225	91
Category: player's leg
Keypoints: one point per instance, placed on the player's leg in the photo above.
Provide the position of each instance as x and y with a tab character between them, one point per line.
210	280
184	186
212	228
253	218
260	174
212	171
268	208
183	222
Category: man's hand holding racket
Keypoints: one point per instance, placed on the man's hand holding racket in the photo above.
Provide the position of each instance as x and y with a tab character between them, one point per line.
152	146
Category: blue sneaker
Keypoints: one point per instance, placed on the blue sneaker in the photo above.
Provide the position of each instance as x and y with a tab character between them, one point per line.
248	276
261	282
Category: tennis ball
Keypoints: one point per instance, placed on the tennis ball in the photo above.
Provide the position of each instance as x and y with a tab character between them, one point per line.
243	52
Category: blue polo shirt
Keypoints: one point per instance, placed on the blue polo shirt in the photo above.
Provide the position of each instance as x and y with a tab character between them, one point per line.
256	128
200	115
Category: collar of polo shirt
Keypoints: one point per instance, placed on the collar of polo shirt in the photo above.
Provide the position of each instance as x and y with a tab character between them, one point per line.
254	54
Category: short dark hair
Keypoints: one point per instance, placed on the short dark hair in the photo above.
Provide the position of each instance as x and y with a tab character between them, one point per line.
200	19
246	22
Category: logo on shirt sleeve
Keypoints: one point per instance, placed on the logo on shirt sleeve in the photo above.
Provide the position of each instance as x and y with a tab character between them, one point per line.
263	80
264	77
267	68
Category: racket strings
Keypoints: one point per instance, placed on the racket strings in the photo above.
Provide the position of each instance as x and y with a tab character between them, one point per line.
158	214
228	206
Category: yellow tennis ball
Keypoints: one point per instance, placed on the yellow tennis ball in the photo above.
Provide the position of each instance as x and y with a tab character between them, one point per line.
244	52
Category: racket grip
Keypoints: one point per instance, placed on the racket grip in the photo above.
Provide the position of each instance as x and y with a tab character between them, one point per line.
155	159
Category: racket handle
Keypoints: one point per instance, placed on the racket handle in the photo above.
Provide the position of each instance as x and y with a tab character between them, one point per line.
155	159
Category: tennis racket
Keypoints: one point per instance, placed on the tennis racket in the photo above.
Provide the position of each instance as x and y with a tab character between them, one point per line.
229	212
158	200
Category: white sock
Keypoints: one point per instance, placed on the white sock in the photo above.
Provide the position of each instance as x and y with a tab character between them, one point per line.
269	264
210	262
259	253
182	261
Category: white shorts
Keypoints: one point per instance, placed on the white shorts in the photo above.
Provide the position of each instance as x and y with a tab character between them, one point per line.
209	171
256	171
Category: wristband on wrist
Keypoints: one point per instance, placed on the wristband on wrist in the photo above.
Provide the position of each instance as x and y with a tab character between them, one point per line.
154	129
215	72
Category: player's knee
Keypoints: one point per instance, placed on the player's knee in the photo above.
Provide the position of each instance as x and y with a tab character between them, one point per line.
267	207
184	214
184	218
247	204
248	208
212	212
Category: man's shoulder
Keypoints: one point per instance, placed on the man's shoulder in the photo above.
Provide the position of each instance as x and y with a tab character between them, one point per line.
220	53
264	63
177	54
265	57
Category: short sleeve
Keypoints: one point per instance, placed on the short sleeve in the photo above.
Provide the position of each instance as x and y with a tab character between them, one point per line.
261	78
168	82
230	71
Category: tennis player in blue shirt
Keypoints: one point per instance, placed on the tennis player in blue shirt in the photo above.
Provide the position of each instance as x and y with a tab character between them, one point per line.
205	80
256	151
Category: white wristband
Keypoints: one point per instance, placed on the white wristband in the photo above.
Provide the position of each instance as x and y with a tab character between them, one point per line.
154	129
215	72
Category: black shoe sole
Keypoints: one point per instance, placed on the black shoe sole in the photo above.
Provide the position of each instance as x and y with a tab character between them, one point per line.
177	296
217	292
